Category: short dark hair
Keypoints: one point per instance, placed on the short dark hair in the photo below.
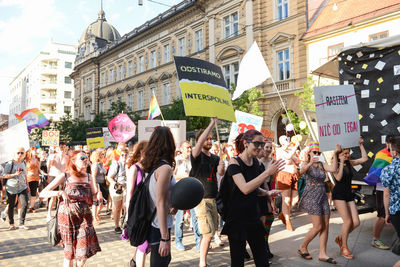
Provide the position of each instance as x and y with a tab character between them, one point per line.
62	143
199	133
395	142
389	138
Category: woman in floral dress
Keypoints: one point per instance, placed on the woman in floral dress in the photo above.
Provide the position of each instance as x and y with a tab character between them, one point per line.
75	220
314	200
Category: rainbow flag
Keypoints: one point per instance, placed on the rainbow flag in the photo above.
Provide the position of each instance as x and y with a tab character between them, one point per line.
34	118
154	110
382	159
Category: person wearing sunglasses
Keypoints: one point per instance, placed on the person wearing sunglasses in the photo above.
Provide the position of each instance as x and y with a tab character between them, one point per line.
74	217
286	179
343	197
314	200
243	216
17	186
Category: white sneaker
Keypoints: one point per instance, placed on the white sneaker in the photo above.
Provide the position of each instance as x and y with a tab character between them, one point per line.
23	227
3	216
48	217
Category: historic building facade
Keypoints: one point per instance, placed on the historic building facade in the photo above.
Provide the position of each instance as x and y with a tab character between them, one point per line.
133	67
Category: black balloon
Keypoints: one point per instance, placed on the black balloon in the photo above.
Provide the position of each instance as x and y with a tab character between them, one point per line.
187	193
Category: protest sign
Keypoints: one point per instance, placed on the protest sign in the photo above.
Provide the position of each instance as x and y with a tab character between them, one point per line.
11	139
94	137
50	138
108	138
178	129
337	116
244	121
122	128
203	89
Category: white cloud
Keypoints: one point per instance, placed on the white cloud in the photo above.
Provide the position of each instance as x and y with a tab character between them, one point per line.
36	19
115	16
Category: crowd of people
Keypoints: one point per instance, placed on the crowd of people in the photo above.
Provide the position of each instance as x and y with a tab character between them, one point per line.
81	183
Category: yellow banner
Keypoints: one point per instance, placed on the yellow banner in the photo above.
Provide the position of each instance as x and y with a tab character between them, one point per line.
207	100
95	142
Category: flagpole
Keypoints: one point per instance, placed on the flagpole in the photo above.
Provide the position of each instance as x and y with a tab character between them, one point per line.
218	140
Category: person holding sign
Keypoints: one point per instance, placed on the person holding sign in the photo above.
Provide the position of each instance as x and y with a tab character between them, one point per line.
287	178
343	197
204	168
315	201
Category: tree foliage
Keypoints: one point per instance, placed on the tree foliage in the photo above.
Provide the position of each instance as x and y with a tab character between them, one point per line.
248	101
306	95
295	120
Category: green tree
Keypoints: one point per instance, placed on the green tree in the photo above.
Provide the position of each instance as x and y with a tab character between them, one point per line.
306	94
295	120
248	101
122	107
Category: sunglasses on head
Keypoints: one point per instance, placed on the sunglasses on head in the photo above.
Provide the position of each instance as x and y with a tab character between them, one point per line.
20	153
316	153
83	157
257	143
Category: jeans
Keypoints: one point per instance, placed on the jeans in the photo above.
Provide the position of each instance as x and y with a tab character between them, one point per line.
179	226
23	197
154	240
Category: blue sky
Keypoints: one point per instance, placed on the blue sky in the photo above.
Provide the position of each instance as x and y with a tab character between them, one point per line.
27	25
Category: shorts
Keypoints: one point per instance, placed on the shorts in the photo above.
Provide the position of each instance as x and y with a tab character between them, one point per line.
340	193
115	196
207	217
287	180
104	190
380	208
33	186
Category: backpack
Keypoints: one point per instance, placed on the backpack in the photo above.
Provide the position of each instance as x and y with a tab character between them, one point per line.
141	213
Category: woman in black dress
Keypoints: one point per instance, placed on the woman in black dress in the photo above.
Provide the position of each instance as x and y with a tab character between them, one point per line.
243	219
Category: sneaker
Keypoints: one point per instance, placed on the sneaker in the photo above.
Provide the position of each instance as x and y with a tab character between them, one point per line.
12	227
197	247
118	230
377	243
3	216
124	235
180	246
24	227
32	210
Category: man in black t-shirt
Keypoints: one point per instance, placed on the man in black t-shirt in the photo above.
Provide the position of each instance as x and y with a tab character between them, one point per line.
205	167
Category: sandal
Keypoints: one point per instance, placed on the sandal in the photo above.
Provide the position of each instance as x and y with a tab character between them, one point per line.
282	218
305	256
345	252
328	260
132	263
338	241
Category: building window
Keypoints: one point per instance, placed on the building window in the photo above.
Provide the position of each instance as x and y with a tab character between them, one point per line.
231	25
130	101
130	68
182	47
152	91
140	99
333	50
166	94
378	36
67	80
141	64
198	40
88	84
119	73
231	72
111	76
153	59
282	9
67	109
283	65
87	112
67	94
102	106
103	79
178	90
68	65
166	53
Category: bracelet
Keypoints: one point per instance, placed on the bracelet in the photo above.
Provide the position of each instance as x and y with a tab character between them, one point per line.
165	240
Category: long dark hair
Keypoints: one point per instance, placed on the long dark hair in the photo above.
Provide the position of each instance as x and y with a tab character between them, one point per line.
137	153
161	146
248	136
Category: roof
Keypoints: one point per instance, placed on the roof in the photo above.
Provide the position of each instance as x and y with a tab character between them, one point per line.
336	14
102	29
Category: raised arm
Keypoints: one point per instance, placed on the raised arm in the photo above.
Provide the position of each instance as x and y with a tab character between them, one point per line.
364	156
333	166
48	192
339	172
203	137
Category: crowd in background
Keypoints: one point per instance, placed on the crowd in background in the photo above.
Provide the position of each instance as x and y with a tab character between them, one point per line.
88	185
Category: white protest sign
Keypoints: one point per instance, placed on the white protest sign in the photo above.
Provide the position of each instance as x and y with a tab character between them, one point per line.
244	121
50	138
108	138
337	116
11	139
178	129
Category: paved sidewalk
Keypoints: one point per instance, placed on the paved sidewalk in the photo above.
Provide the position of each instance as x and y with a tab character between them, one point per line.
30	248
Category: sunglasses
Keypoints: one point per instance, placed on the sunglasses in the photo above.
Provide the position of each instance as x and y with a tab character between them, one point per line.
316	153
83	157
20	153
257	143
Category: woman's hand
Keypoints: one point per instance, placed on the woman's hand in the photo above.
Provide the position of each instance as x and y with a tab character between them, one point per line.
274	192
275	166
65	197
338	149
164	248
361	141
342	158
173	211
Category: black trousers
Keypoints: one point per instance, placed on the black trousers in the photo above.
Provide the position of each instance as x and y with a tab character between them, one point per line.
395	219
255	238
23	197
155	259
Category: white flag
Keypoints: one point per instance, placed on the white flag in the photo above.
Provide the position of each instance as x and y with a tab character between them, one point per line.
252	71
